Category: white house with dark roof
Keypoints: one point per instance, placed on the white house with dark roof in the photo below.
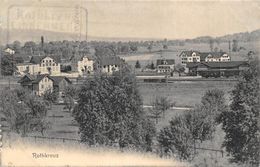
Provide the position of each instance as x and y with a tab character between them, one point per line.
217	57
38	84
189	57
82	64
40	65
195	56
165	65
109	64
9	51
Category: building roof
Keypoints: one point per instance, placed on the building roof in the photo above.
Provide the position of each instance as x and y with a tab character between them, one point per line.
38	59
226	64
40	77
33	79
58	79
189	53
203	55
80	57
110	60
23	64
192	64
9	48
215	55
165	62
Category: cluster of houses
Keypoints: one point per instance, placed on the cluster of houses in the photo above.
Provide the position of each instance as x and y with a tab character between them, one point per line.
206	64
42	73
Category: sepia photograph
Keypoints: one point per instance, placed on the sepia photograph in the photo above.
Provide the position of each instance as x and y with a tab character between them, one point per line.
129	83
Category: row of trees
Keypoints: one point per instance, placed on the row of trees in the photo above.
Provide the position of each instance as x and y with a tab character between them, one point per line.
234	47
239	120
23	111
192	127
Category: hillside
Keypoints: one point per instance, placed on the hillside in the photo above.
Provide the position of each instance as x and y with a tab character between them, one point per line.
34	35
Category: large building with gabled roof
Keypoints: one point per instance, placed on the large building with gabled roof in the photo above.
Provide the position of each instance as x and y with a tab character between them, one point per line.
48	64
41	83
109	64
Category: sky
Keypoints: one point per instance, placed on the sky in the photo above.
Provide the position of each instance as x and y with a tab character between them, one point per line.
152	19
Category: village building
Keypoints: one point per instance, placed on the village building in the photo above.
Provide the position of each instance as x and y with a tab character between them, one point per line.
41	83
214	57
60	83
82	64
217	69
189	56
165	65
195	56
9	51
109	64
38	84
40	65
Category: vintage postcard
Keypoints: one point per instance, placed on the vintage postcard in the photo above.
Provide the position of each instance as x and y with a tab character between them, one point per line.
129	83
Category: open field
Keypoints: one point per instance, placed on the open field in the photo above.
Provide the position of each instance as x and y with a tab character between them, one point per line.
182	93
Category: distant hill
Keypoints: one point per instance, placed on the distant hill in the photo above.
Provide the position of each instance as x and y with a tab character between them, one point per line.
34	35
242	37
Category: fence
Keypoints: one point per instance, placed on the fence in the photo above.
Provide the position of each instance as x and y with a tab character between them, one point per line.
208	149
53	138
76	140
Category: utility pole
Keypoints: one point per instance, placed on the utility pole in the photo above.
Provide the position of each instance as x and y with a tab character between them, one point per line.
1	144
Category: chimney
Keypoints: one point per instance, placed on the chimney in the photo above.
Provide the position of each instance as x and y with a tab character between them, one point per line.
42	41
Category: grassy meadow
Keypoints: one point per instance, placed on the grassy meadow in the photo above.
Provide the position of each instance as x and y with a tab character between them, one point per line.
182	93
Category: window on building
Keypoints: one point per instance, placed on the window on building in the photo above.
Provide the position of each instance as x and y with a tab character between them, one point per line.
42	86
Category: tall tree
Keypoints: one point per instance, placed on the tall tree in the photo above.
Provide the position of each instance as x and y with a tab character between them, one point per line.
179	68
235	45
241	122
152	66
137	64
7	65
150	46
109	112
211	44
51	96
17	46
215	103
159	107
71	95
